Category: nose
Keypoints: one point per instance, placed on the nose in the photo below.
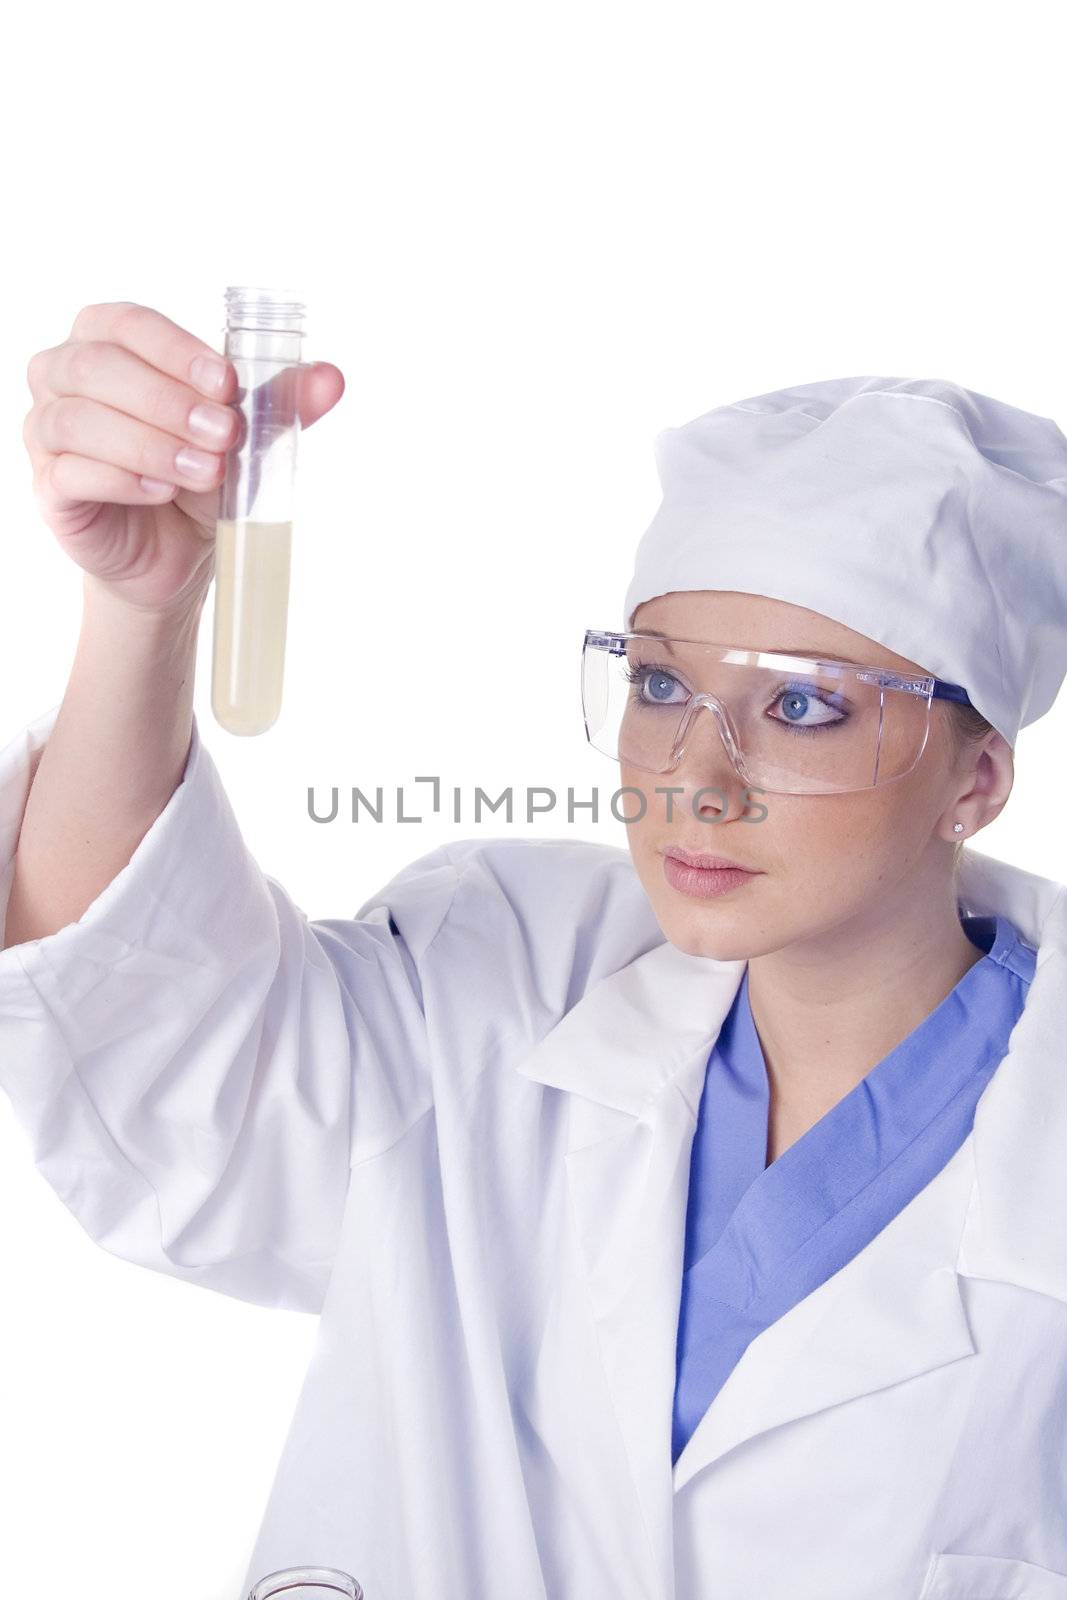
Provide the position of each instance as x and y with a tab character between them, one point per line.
707	747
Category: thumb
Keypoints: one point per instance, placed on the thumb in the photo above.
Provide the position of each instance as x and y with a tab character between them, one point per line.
321	385
306	391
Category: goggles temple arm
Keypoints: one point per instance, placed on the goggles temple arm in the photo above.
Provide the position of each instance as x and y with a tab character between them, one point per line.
950	691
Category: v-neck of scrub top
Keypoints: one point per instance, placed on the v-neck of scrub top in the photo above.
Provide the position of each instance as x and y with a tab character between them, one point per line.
759	1238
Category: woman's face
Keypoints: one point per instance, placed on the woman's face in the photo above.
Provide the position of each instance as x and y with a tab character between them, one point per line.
821	860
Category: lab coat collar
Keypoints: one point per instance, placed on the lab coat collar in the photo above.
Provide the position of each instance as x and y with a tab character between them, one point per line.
633	1053
1014	1228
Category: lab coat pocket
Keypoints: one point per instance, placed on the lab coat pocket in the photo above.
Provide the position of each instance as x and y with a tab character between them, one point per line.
956	1577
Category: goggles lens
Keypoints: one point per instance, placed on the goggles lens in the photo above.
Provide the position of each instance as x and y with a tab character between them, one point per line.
791	725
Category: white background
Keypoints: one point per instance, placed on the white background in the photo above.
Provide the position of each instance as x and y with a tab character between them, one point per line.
530	236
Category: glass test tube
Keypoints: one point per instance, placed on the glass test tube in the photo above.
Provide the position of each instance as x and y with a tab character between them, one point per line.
264	328
307	1583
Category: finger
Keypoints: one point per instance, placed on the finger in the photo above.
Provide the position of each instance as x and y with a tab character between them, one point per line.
71	480
161	342
73	423
113	375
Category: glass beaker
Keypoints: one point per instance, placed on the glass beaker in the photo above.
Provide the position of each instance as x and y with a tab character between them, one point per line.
264	329
307	1583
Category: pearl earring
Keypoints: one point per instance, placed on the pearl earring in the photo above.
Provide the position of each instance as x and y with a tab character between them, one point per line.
957	827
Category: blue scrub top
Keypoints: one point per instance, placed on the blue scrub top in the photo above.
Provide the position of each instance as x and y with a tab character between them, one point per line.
759	1238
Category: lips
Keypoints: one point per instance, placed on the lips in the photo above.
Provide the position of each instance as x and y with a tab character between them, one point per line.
692	858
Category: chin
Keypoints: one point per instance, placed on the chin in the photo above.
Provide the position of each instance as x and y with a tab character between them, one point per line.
706	931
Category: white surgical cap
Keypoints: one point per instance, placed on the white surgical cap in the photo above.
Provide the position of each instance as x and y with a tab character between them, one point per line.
919	513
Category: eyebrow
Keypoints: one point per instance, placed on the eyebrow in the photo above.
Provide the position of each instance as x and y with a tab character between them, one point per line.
776	649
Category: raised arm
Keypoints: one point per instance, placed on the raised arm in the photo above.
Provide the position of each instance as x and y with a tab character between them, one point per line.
194	1062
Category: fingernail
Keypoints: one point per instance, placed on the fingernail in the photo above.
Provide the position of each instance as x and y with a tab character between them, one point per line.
208	374
212	424
195	463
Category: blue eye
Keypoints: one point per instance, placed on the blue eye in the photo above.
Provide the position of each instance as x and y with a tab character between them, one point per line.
797	700
654	685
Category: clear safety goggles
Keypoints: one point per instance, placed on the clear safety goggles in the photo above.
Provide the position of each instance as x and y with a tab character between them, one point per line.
790	724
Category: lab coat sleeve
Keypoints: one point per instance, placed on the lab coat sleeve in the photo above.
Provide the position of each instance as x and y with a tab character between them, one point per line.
195	1063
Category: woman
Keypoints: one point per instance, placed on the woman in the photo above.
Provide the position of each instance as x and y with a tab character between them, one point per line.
665	1243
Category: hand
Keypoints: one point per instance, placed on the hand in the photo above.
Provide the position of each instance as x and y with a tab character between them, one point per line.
111	408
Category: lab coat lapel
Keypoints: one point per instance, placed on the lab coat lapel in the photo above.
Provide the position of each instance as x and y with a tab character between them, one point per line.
633	1052
893	1312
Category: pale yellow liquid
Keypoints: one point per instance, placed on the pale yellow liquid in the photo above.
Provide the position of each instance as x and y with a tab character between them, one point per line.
251	610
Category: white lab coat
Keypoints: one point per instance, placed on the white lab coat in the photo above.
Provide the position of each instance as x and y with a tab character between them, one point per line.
466	1143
